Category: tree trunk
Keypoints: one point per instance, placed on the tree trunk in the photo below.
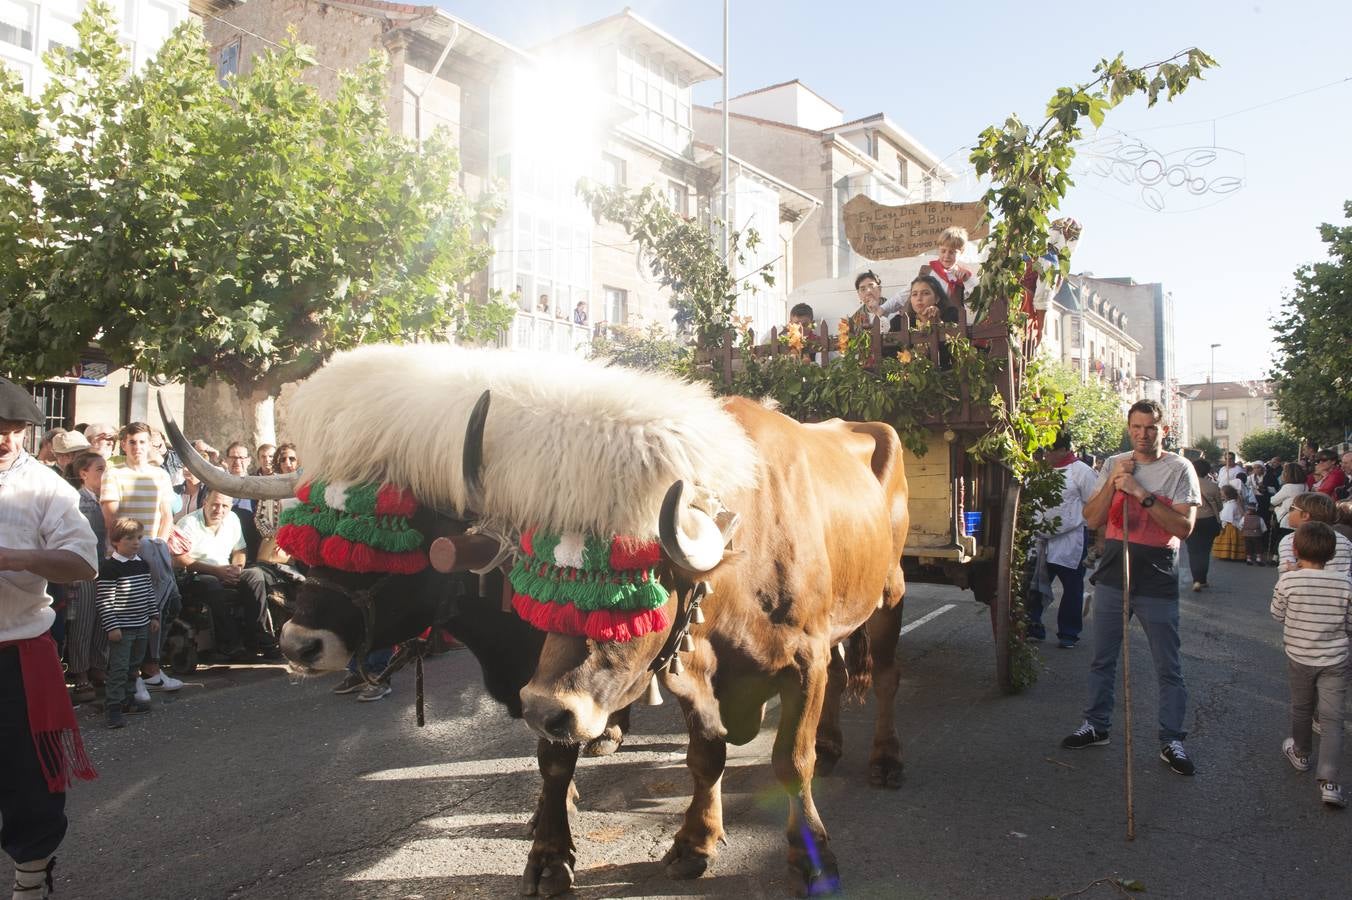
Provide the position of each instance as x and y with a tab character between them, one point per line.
256	408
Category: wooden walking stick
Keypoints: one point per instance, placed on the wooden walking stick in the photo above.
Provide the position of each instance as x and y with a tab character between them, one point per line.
1126	666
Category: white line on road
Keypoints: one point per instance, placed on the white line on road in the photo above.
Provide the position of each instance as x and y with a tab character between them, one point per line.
932	615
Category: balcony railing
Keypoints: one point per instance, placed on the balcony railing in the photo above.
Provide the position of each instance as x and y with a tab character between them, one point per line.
547	334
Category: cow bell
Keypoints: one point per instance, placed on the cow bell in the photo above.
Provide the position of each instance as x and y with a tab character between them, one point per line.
653	696
676	667
687	643
696	615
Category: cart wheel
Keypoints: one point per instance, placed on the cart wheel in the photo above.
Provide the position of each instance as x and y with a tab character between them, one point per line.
1004	586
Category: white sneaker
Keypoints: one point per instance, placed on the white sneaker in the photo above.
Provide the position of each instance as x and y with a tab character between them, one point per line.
1331	793
141	693
163	682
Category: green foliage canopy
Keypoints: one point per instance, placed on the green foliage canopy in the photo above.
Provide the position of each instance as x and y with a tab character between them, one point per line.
243	231
1094	414
1312	374
1265	443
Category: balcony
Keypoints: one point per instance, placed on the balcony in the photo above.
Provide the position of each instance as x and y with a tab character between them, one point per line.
547	334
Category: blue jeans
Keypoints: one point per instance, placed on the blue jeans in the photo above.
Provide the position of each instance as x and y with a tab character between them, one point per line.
1070	614
1159	618
376	661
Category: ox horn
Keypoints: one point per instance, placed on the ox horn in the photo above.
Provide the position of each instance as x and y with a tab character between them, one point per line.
255	487
698	551
472	460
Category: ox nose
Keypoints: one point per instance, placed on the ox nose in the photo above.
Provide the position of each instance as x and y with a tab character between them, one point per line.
305	651
561	725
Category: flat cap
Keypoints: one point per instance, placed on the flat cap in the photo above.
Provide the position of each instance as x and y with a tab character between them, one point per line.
17	405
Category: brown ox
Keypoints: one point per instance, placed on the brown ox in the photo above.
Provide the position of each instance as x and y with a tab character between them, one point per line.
816	557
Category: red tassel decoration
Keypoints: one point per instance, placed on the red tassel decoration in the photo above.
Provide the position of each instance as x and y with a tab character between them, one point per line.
395	501
630	554
303	493
337	553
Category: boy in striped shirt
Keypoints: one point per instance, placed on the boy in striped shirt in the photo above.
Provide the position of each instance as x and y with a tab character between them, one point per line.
1314	507
1314	605
129	611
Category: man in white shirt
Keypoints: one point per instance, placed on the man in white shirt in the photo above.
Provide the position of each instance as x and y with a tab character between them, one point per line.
43	537
1061	553
214	561
1230	472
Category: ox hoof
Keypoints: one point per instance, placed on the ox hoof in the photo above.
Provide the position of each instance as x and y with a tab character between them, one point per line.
609	741
827	757
547	876
885	773
684	862
814	881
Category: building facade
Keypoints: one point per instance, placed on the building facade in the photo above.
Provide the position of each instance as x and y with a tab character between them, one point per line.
800	137
1228	411
1149	310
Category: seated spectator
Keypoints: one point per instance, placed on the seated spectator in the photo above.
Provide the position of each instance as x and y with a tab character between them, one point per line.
207	452
1344	524
927	304
580	313
543	307
801	315
66	446
873	306
102	439
214	561
263	459
45	454
1345	492
1328	477
237	458
192	493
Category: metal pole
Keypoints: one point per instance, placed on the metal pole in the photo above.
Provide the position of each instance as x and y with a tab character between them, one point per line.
724	211
1126	668
1213	392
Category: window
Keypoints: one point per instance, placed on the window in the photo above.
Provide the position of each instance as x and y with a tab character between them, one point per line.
617	305
1222	419
1269	413
678	198
228	64
57	404
926	187
611	171
659	95
18	22
901	171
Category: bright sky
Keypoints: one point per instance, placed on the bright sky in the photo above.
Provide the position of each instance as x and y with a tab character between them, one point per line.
1227	264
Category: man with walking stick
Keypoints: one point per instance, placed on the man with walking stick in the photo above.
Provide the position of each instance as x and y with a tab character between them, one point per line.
1158	495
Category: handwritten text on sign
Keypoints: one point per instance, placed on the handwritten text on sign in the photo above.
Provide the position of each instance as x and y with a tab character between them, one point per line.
876	231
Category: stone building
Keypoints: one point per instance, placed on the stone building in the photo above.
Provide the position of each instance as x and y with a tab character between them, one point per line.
796	135
1229	411
1149	310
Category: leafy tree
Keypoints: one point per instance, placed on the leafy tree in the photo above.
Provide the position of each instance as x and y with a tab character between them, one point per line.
1029	169
640	346
681	254
1095	410
243	231
1265	443
1312	375
1207	446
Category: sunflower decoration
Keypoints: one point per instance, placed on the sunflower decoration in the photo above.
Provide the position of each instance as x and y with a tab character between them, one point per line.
904	356
793	336
843	336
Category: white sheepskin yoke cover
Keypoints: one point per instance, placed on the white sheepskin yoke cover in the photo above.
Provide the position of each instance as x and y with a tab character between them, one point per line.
570	444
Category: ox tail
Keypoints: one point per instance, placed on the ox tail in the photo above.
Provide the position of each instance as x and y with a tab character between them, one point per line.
859	664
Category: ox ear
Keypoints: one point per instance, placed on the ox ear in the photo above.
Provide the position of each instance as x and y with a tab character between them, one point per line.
690	537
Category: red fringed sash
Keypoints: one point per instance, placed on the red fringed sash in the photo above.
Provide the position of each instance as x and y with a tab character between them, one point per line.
51	718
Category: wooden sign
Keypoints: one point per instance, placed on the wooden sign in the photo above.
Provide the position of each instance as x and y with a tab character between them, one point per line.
876	231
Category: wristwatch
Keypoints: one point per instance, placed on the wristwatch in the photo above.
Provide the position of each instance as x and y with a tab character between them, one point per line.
1148	502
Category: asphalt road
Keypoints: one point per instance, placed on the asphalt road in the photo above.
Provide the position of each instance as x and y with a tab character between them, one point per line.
247	785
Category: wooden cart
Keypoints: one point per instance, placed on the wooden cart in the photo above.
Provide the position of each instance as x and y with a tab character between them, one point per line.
945	482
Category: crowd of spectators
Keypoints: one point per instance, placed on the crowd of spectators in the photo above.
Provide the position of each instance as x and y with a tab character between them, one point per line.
167	542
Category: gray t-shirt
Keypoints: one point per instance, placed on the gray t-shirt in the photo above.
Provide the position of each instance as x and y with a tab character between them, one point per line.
1154	551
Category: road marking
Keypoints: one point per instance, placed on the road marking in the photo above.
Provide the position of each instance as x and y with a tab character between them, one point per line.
925	618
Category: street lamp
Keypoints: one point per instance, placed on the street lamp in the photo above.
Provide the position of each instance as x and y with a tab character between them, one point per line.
1213	392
